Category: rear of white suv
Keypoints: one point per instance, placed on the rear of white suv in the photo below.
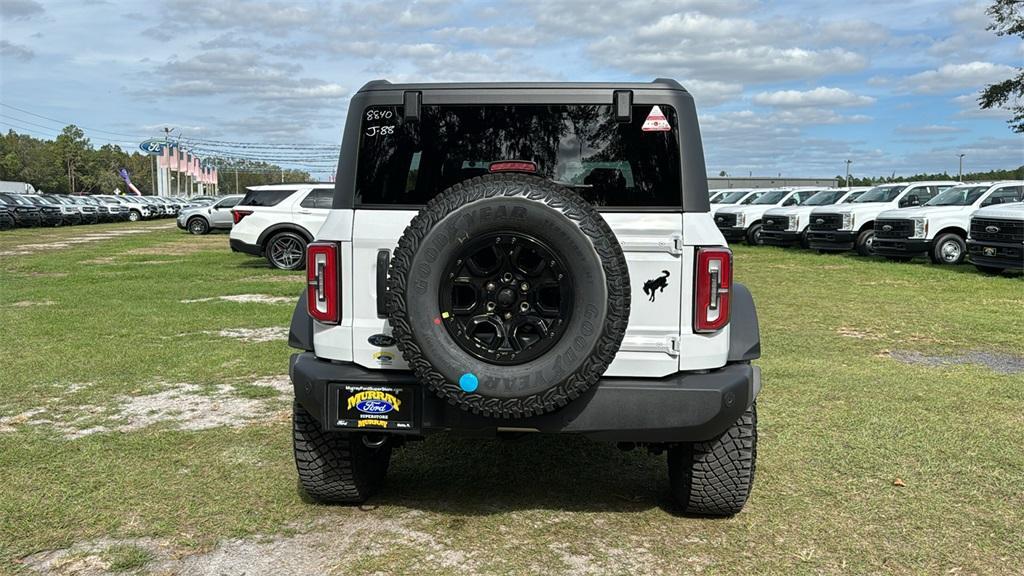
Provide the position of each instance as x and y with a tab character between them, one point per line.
278	221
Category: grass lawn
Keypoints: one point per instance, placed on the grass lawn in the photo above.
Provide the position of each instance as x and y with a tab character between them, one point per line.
143	434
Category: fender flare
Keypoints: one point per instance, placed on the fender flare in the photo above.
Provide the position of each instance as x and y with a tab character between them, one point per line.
283	227
744	334
300	334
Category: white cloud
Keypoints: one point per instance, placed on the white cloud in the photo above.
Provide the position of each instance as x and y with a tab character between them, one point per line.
953	77
20	9
820	96
15	51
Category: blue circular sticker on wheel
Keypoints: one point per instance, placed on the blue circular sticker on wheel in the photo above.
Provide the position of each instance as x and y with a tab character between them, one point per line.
468	382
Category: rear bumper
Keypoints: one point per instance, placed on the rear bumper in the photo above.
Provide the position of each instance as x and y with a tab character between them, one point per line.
831	240
779	237
685	407
996	254
899	246
244	247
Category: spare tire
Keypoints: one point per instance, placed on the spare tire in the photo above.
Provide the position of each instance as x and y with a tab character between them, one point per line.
508	295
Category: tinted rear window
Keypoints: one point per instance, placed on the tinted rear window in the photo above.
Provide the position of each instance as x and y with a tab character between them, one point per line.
609	163
265	197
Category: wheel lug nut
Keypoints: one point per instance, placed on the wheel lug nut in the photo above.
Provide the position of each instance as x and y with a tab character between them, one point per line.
491	286
508	315
524	306
491	306
507	276
524	286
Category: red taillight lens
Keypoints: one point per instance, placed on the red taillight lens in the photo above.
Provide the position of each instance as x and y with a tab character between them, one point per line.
322	280
714	283
513	166
237	215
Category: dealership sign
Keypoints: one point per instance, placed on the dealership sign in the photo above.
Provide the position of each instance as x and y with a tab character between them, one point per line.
153	146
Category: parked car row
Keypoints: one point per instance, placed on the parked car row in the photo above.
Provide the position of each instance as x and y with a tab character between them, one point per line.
947	221
21	210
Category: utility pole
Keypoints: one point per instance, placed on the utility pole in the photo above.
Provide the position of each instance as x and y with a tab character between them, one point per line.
848	162
961	176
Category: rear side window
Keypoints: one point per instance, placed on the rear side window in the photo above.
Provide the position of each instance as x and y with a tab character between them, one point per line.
265	197
321	198
228	202
583	147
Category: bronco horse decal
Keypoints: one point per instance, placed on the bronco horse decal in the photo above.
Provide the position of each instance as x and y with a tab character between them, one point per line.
654	285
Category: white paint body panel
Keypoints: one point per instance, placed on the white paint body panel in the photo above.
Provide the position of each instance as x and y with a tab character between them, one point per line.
659	339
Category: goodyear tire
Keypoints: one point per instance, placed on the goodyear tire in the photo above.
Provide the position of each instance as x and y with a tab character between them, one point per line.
714	478
335	466
485	348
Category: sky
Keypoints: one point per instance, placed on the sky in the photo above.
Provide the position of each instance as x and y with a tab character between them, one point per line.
793	87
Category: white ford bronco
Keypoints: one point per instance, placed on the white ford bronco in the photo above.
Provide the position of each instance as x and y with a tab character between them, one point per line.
515	258
939	228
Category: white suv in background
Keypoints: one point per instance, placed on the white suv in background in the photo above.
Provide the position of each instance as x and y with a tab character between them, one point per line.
940	227
277	221
852	226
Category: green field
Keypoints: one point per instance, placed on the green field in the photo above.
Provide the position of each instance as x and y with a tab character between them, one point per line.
142	434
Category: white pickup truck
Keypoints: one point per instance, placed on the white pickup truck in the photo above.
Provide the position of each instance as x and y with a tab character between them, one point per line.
996	241
852	226
786	226
743	222
939	228
733	197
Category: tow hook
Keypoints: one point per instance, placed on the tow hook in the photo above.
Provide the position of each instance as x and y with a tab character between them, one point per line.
374	440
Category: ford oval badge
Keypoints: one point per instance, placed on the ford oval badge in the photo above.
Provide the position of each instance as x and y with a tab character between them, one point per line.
887	228
992	229
819	221
770	222
374	407
381	340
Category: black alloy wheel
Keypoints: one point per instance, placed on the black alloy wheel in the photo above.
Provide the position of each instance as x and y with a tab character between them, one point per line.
510	297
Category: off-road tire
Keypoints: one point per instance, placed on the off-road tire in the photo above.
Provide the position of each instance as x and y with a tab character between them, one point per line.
754	236
936	253
336	467
563	211
714	478
197	225
863	242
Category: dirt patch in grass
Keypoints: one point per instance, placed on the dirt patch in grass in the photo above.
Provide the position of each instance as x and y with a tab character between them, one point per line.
255	334
1002	363
246	298
359	544
29	303
294	279
179	248
24	249
181	406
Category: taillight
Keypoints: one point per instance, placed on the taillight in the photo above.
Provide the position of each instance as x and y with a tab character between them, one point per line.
237	215
322	279
714	282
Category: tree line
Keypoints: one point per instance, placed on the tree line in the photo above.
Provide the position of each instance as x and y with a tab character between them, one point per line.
70	164
1011	174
